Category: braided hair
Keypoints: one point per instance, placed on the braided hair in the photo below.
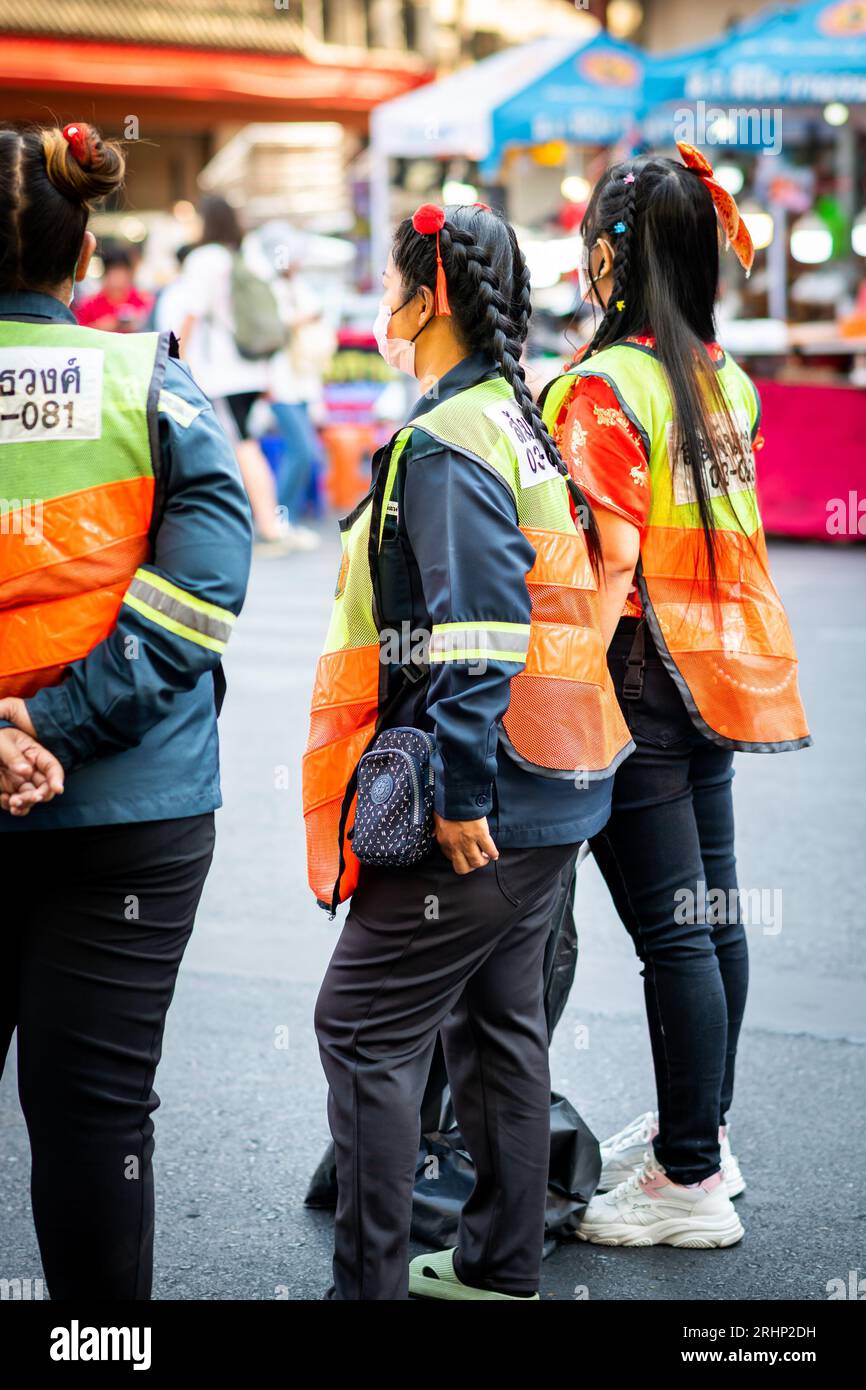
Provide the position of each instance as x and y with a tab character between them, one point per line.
660	220
488	291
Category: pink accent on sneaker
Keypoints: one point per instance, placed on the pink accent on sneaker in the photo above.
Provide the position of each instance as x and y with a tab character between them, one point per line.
708	1183
652	1183
723	1132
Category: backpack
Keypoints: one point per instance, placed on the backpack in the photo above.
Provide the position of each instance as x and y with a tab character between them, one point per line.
259	330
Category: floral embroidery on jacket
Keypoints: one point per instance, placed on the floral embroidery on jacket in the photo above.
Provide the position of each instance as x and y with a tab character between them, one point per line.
609	415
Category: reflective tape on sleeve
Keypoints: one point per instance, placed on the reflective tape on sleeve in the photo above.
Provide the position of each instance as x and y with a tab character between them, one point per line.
477	641
175	610
181	411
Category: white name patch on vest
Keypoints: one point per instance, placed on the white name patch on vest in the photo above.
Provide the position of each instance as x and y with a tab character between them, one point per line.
50	393
734	472
535	467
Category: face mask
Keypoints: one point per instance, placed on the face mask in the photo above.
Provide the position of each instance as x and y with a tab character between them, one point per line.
397	352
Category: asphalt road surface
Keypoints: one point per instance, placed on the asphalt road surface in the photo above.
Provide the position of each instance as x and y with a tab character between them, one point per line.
242	1122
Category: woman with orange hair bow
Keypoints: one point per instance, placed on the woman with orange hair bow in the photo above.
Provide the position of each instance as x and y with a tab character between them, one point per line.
658	424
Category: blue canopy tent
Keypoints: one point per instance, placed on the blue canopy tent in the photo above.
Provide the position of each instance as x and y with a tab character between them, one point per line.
593	96
786	55
732	92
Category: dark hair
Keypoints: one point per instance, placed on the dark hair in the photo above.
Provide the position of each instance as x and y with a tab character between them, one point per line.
46	193
488	291
114	255
665	277
219	222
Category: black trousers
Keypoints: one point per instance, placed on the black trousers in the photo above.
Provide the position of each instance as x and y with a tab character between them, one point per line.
95	922
422	950
669	843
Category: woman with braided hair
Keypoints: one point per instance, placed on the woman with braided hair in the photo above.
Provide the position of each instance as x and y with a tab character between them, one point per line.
659	426
466	609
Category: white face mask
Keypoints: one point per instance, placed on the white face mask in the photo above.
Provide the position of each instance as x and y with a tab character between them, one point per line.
397	352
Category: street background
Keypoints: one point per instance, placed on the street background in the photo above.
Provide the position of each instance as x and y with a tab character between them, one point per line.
243	1123
310	128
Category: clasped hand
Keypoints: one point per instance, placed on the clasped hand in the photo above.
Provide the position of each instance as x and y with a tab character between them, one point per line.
29	774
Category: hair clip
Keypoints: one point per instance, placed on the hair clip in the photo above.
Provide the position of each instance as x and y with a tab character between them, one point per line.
426	220
629	178
484	207
619	228
76	138
620	304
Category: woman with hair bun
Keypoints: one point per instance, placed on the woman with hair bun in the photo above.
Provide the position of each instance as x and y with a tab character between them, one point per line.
123	564
467	613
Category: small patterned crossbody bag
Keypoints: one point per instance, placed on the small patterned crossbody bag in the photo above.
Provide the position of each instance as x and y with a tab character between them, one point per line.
394	812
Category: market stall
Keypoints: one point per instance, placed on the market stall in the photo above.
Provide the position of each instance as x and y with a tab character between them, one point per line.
777	104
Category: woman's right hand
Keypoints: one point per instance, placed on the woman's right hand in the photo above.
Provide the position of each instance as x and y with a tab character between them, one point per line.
466	843
29	774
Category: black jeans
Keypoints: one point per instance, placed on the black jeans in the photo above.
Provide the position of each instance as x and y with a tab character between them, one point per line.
668	844
422	950
95	922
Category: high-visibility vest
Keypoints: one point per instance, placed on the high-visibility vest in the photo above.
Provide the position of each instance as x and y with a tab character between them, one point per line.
78	440
562	718
734	660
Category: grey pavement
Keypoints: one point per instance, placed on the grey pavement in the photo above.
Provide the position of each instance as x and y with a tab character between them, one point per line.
242	1123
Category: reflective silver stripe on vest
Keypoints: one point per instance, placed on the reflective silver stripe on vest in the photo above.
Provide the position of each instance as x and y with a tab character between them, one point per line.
211	631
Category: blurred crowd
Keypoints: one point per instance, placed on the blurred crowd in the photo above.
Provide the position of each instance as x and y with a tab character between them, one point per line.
251	329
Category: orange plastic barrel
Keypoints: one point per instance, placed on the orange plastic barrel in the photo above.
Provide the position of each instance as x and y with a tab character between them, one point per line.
348	450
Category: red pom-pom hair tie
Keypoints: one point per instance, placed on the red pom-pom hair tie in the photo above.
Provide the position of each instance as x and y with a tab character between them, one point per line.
76	136
427	220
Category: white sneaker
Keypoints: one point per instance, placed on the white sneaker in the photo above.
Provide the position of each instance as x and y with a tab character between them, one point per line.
649	1209
303	538
626	1151
731	1170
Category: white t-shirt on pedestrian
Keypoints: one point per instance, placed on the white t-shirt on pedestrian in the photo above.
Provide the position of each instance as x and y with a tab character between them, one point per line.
204	292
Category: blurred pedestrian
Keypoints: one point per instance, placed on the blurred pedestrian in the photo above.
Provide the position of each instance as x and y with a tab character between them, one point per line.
657	423
296	375
232	379
118	307
168	312
467	537
117	598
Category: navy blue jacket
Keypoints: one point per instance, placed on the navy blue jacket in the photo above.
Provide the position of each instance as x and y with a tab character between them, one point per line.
138	738
452	551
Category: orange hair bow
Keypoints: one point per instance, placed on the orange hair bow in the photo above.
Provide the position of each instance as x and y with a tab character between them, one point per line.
735	229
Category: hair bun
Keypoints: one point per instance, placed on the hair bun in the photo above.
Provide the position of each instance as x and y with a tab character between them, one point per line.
428	219
76	138
81	165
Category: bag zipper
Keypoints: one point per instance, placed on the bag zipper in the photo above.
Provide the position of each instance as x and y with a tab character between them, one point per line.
417	816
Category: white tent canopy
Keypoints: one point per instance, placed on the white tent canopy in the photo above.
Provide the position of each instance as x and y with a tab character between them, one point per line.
454	117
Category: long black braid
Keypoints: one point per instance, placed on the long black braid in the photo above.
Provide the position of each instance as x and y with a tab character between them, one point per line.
488	291
620	213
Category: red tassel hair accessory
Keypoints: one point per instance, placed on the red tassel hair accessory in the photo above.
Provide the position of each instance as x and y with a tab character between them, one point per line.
426	220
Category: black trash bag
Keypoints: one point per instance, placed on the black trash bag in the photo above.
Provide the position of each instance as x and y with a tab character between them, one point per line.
445	1173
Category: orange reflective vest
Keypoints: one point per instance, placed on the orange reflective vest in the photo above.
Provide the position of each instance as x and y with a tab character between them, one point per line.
734	660
78	437
563	718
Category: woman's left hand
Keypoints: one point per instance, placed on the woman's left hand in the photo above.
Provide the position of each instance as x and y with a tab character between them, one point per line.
29	774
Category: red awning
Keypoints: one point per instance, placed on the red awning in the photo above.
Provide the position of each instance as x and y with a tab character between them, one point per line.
197	76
